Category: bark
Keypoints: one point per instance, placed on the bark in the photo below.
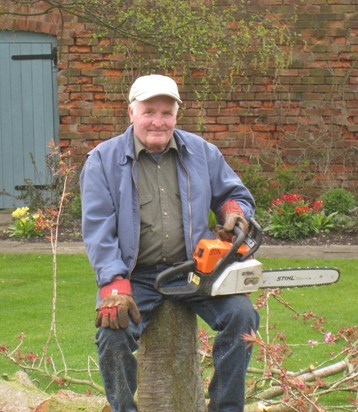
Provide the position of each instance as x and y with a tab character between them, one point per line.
169	377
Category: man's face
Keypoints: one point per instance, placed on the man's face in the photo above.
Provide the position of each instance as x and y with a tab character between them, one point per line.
154	121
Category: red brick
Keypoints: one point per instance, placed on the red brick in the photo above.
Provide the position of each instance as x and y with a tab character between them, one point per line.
80	49
320	85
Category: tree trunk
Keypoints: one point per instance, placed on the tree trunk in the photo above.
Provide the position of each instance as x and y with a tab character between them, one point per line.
169	377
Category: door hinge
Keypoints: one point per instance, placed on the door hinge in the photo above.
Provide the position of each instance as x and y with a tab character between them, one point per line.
52	56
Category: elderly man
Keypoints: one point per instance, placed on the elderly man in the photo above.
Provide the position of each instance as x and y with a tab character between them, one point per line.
146	196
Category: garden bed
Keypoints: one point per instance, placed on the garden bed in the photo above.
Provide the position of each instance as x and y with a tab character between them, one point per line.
71	232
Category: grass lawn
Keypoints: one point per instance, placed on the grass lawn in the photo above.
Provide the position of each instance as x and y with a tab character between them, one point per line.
25	296
26	303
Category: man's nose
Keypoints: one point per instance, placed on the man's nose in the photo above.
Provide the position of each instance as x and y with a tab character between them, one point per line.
158	120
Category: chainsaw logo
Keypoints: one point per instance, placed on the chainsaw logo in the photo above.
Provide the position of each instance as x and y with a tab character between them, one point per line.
283	278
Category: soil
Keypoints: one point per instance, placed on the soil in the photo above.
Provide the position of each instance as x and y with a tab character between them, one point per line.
322	239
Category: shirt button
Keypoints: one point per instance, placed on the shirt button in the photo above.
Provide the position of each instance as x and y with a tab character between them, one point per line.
165	213
166	236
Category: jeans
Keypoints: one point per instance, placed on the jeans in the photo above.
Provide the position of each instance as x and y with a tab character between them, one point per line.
230	316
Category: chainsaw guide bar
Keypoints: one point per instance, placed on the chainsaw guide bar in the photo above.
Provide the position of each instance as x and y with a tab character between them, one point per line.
299	277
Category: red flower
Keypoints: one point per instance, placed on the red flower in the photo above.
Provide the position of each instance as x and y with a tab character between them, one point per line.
292	198
300	210
317	205
276	202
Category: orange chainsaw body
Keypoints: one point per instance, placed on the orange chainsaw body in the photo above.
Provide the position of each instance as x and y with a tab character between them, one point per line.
209	251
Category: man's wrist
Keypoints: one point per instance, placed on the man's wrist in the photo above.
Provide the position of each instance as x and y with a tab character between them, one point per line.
231	206
116	287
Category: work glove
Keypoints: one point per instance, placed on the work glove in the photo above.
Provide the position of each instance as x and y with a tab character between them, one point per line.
117	306
232	215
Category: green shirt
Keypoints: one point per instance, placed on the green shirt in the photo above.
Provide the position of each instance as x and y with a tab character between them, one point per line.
161	232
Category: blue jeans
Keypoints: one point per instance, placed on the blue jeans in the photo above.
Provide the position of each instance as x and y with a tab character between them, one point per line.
230	316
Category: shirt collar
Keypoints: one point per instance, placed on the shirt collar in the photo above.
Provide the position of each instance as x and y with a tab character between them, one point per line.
139	147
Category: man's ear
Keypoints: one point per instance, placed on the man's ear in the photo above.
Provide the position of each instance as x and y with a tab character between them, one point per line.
130	112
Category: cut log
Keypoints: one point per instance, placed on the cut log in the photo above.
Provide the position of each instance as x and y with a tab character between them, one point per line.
19	394
169	373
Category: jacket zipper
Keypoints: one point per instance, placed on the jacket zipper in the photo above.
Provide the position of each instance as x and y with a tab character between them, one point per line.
189	204
138	236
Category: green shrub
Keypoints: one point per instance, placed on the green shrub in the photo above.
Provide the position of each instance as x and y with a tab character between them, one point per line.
74	207
284	180
259	185
338	200
347	222
293	178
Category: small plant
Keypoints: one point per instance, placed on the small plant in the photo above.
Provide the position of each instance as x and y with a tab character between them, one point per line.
293	177
259	185
347	222
338	200
322	222
27	224
295	217
212	220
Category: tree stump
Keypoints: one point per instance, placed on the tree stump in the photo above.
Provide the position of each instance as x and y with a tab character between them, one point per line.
169	374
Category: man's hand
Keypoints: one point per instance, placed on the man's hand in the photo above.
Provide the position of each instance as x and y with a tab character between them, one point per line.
117	306
232	215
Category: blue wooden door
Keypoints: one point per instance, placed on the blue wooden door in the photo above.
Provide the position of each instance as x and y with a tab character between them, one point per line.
28	110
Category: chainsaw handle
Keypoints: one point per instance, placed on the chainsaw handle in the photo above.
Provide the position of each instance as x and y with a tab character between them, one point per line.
173	273
253	239
240	236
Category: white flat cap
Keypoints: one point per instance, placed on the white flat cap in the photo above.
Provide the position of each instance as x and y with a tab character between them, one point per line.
146	87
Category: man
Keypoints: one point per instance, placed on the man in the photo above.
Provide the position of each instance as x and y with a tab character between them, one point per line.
146	196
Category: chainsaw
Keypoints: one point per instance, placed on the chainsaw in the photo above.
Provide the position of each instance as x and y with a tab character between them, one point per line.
224	268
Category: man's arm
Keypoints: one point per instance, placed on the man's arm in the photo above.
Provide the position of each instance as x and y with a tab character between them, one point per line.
99	223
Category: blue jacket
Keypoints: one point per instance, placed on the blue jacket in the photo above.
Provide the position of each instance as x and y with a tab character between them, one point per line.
110	199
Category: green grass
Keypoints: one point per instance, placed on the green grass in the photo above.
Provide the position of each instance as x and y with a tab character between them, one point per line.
26	290
26	302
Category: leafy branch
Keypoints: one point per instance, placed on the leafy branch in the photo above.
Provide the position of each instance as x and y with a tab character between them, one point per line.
207	43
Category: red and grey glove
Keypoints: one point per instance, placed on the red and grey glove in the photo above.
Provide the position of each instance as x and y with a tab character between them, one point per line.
232	215
117	305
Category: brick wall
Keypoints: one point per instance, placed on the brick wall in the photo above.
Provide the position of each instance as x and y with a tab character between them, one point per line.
308	112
